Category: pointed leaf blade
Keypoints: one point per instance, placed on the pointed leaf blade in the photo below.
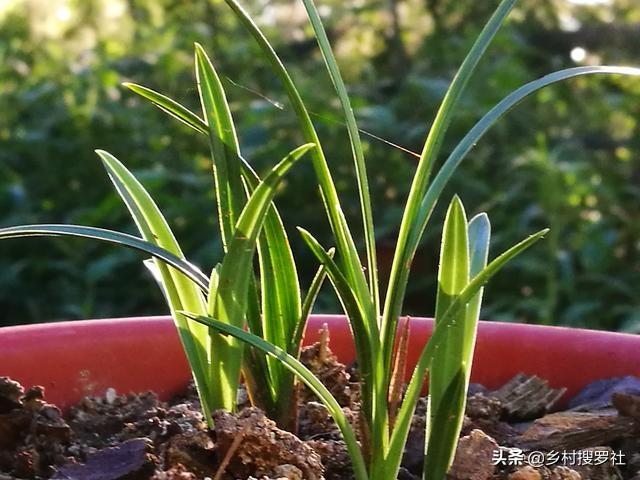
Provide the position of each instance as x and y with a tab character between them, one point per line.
405	414
169	106
223	140
108	236
179	291
445	416
410	232
229	301
453	276
348	258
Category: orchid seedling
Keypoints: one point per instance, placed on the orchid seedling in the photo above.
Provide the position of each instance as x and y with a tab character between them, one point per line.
240	322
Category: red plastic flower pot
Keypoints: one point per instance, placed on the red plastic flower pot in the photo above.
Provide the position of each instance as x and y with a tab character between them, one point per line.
74	359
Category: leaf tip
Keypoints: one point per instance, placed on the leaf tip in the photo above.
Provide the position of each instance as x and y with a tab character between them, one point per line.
105	157
199	50
480	217
480	225
456	200
456	210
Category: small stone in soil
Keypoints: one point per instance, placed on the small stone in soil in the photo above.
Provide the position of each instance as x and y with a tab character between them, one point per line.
484	413
334	457
565	473
178	472
10	394
473	459
193	450
606	470
131	460
314	421
482	406
110	395
525	473
287	472
627	405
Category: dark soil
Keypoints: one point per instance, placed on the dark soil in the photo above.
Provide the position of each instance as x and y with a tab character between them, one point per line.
507	434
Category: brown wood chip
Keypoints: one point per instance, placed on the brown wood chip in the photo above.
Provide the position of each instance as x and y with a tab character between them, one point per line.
527	397
574	431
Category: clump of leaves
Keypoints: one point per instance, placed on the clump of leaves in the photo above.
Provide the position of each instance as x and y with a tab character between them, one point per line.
211	312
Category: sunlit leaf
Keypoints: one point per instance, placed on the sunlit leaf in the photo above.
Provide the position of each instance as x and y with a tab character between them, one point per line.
228	301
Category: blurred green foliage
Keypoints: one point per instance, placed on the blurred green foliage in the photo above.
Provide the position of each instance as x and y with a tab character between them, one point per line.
568	159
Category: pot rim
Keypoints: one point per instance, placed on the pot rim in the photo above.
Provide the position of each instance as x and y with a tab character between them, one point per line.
135	354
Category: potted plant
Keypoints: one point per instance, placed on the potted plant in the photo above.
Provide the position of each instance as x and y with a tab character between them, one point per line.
234	322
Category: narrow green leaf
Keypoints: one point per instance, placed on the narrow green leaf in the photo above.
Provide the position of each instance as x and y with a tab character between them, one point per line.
405	249
446	429
170	106
229	301
273	324
453	272
463	255
487	121
281	308
361	329
428	203
453	276
225	149
280	293
279	279
307	378
348	257
479	238
109	236
146	214
405	414
181	293
356	148
366	338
